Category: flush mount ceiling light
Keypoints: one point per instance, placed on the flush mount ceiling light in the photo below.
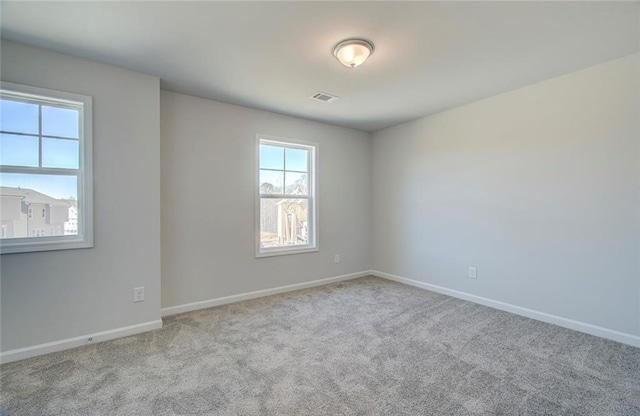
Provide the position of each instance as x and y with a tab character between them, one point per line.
353	52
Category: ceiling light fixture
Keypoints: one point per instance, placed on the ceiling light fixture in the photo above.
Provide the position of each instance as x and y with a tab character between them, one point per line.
353	52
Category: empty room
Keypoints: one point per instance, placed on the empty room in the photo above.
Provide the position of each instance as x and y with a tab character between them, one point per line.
319	208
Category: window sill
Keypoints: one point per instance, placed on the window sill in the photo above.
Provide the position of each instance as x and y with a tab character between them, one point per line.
286	252
37	246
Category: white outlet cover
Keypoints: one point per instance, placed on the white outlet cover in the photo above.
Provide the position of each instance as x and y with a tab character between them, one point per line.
473	273
138	294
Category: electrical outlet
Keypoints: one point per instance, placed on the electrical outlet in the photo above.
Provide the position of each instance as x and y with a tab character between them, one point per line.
336	258
473	273
138	294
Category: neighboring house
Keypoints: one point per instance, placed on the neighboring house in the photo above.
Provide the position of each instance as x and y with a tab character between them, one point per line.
71	226
284	221
292	221
28	213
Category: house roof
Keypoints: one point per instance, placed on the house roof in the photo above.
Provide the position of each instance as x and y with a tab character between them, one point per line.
72	202
31	196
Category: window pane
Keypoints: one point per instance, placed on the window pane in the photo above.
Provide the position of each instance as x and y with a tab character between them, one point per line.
38	205
271	157
283	222
297	160
61	122
18	117
296	183
55	186
271	181
60	153
18	150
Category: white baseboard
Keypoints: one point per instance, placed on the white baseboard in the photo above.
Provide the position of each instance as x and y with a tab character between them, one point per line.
188	307
598	331
65	344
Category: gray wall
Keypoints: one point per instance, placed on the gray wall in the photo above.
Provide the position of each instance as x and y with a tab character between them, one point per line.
208	184
49	296
538	188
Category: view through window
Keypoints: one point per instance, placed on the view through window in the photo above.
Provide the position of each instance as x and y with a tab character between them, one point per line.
44	183
286	218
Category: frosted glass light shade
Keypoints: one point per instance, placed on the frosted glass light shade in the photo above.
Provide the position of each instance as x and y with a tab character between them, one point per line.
353	52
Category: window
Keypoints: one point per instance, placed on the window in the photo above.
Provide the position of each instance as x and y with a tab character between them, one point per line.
46	165
286	204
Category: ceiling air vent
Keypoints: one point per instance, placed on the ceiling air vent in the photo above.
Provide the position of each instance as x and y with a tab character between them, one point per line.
324	97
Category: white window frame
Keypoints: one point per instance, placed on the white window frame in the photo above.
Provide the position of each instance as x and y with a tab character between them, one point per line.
313	214
84	238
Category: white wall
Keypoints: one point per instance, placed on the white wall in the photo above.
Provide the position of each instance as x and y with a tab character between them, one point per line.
538	188
208	183
55	295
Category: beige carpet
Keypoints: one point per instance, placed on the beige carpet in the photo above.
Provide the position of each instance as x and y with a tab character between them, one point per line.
364	347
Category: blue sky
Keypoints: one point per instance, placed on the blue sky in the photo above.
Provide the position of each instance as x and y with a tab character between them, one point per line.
19	117
20	150
273	157
56	186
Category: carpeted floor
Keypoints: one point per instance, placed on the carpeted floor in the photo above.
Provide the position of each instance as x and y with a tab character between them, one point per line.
363	347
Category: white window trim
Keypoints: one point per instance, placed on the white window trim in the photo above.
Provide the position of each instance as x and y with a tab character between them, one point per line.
85	177
313	192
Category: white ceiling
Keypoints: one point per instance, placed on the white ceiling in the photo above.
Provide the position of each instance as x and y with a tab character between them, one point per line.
275	55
